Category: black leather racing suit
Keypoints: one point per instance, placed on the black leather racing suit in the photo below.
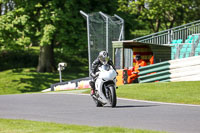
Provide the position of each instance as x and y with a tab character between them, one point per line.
95	65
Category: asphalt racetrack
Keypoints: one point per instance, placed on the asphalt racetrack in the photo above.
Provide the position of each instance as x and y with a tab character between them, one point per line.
81	110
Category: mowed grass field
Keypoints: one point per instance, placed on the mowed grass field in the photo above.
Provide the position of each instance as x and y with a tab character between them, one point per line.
172	92
25	126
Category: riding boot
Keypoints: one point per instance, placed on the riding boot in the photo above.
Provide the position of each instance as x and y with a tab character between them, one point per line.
92	84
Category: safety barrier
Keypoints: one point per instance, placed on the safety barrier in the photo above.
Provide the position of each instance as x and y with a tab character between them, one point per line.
187	69
73	84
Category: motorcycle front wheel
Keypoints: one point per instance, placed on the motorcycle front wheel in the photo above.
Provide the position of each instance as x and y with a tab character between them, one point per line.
112	96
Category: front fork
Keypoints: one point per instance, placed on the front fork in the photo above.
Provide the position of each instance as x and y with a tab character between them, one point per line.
107	90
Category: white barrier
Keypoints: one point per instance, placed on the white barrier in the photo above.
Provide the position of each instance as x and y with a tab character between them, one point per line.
187	69
186	62
187	78
184	74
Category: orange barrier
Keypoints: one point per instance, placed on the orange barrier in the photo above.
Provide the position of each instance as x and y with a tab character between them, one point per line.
120	80
122	76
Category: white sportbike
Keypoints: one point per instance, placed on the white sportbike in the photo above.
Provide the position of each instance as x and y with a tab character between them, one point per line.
105	86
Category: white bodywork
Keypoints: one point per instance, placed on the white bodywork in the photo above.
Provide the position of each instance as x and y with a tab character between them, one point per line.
106	73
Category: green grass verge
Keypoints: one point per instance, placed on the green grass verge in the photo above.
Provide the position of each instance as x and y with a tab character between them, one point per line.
24	126
173	92
24	80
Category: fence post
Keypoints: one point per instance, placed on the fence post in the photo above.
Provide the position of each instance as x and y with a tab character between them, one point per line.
88	35
105	16
121	36
172	34
169	37
192	48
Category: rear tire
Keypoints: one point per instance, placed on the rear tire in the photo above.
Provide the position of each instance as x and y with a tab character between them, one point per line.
112	96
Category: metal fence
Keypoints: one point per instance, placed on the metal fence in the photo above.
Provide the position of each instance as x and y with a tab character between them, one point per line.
166	36
102	29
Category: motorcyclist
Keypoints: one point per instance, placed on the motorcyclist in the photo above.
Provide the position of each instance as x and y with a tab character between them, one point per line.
102	59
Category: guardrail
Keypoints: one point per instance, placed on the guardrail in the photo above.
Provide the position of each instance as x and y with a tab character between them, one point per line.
187	69
73	84
166	36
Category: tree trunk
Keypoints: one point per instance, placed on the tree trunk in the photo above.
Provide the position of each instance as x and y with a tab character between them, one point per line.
46	59
0	9
172	23
157	25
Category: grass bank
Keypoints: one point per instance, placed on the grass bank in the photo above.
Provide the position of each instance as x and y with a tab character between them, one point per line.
24	126
173	92
24	80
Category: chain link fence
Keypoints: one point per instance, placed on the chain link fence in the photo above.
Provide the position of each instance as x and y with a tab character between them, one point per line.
102	29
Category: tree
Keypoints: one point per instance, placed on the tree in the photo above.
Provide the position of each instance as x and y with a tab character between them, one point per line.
160	14
49	24
13	29
43	23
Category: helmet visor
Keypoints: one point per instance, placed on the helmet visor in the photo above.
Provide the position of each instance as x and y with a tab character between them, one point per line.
104	60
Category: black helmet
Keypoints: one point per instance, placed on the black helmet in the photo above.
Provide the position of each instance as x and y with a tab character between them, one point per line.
137	57
103	57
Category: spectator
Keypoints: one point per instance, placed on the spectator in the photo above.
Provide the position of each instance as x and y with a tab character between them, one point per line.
139	63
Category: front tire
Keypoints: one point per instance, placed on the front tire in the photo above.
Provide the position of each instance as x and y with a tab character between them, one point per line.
112	96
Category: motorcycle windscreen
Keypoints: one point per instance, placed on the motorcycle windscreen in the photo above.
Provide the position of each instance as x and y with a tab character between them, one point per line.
106	67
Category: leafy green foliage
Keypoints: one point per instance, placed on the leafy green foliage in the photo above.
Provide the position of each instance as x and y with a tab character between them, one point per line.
14	29
11	59
46	22
15	59
161	14
57	23
47	35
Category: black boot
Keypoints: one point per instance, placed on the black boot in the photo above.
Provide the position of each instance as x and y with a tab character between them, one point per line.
92	84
